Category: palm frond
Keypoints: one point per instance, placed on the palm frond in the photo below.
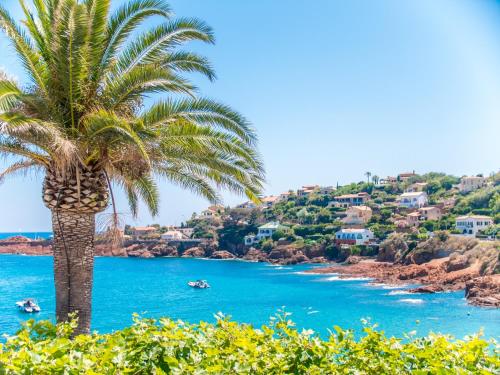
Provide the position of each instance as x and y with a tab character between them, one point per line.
21	166
30	58
188	62
142	80
123	22
152	44
9	95
202	112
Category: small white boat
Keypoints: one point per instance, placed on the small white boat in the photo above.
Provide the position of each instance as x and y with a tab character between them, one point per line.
28	305
199	284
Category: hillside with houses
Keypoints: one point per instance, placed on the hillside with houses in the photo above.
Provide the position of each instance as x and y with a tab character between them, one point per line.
321	223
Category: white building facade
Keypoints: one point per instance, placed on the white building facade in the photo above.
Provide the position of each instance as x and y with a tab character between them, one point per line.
470	225
413	200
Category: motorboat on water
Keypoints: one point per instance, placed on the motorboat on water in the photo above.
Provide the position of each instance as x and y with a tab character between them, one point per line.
199	284
28	305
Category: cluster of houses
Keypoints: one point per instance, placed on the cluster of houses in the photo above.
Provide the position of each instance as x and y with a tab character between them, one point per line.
414	201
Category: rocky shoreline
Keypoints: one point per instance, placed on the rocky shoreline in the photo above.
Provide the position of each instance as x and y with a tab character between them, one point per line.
438	275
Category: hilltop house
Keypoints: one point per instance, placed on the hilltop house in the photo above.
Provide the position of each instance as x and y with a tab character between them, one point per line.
405	176
470	183
270	200
471	224
389	180
356	215
211	213
249	205
417	186
348	200
348	236
430	213
141	232
264	232
284	196
413	200
307	190
324	190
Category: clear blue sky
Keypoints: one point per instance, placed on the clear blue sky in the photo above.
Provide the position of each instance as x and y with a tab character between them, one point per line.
334	89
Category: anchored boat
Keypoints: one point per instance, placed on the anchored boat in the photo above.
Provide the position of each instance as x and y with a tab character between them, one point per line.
199	284
28	305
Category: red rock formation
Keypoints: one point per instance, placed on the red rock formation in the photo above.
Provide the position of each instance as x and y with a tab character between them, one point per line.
484	291
195	252
222	254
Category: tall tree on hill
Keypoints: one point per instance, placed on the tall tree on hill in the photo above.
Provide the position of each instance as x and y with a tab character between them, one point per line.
82	121
368	175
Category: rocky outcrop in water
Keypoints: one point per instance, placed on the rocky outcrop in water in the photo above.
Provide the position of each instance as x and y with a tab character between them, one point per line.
194	252
484	291
222	254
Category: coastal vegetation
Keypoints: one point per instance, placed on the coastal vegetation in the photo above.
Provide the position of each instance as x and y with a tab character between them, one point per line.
313	221
165	346
82	121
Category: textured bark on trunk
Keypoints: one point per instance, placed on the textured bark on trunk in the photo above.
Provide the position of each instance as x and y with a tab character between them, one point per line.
73	265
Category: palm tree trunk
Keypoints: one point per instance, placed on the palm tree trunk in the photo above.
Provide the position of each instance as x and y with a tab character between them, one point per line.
73	265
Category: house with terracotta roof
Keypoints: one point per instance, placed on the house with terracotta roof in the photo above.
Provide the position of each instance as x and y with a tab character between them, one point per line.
389	180
141	232
430	213
211	213
405	176
417	186
471	183
348	200
356	215
270	200
413	219
306	190
470	225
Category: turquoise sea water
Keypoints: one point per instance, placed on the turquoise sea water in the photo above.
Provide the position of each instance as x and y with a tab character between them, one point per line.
249	292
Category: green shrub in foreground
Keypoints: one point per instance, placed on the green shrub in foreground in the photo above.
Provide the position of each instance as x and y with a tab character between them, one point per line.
174	347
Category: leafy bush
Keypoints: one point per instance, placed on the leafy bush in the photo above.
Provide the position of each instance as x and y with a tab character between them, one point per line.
267	245
226	347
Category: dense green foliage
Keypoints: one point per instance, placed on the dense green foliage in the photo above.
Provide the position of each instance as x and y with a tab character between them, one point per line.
175	347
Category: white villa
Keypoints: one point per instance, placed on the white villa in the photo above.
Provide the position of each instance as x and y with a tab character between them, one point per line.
356	215
470	183
172	235
264	231
354	236
471	224
212	212
413	200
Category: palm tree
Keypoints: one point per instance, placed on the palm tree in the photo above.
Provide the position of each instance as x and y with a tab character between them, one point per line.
375	179
82	121
368	174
